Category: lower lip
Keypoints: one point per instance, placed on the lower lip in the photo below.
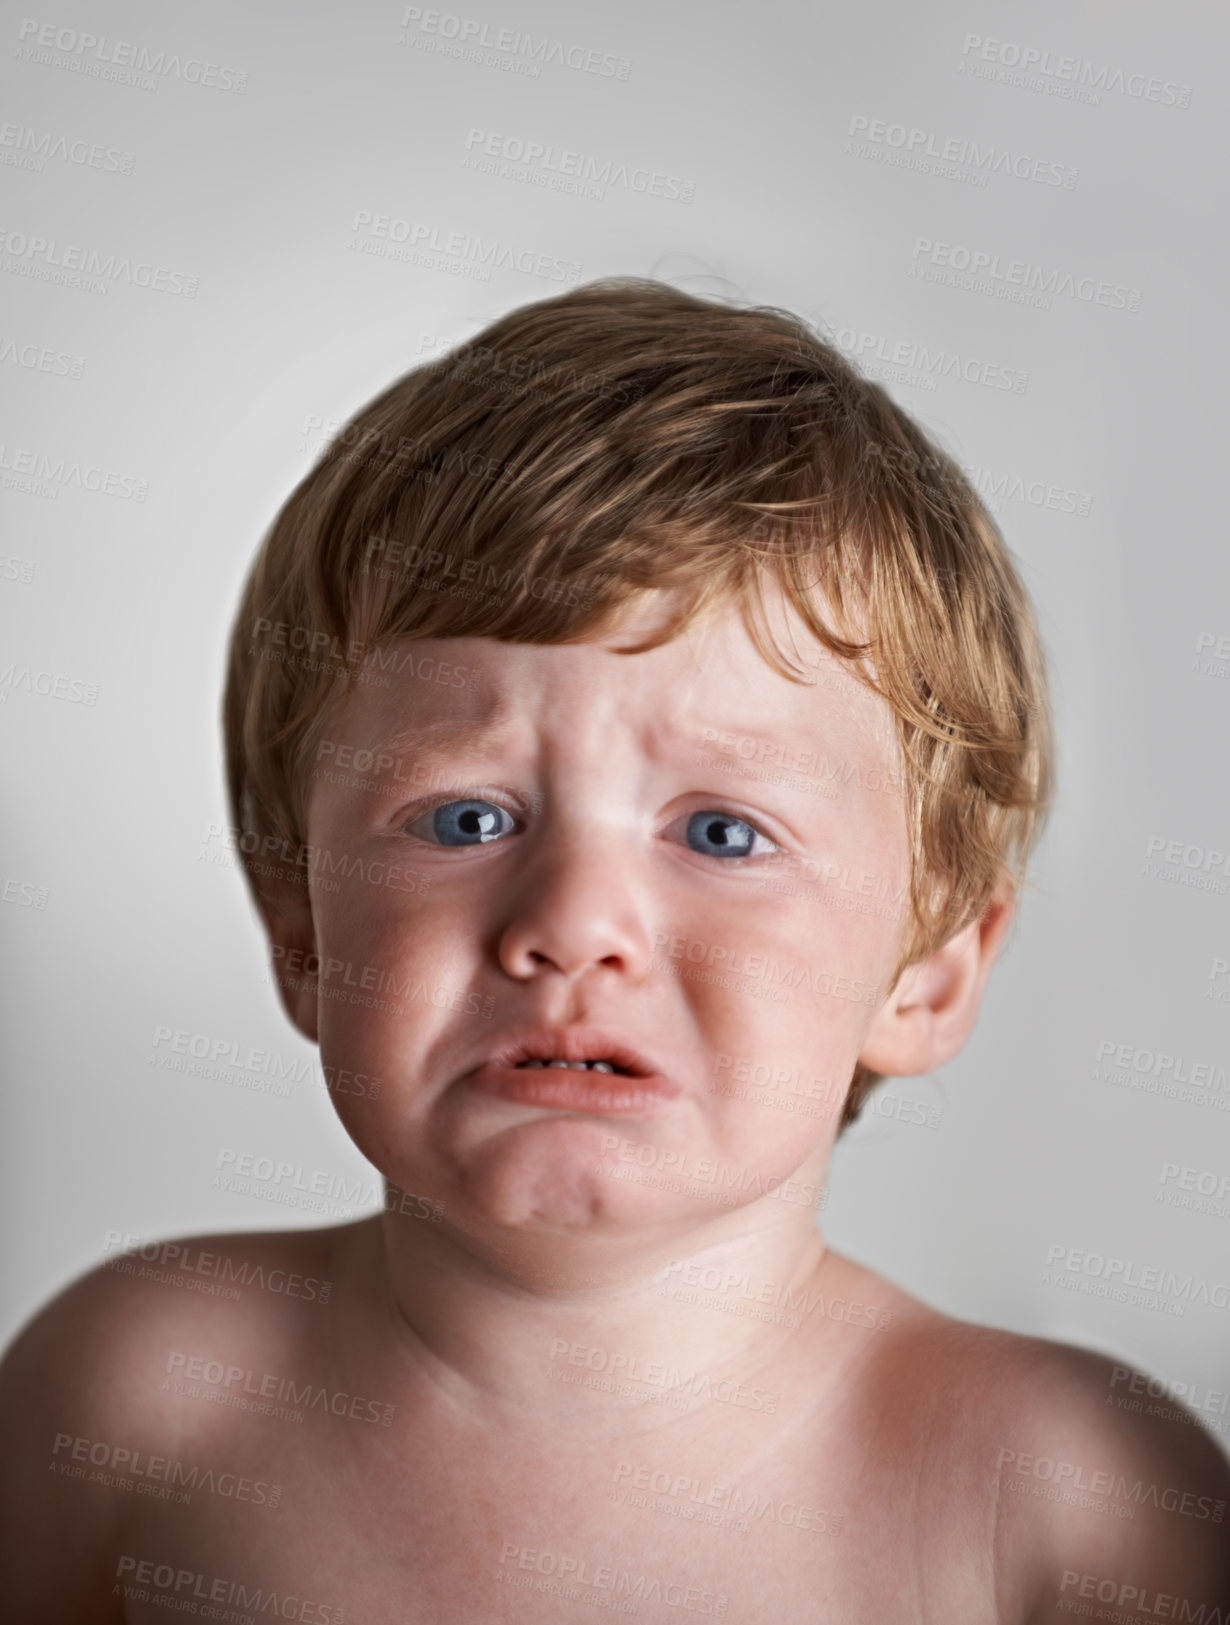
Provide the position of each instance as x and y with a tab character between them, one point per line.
565	1089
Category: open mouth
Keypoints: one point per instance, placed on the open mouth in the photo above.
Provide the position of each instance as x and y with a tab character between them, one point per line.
578	1066
533	1069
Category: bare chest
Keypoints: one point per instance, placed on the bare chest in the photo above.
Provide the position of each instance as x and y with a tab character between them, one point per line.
342	1521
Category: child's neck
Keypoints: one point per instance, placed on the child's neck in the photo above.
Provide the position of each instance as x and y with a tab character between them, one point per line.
606	1330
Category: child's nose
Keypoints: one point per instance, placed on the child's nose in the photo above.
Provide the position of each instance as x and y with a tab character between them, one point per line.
576	909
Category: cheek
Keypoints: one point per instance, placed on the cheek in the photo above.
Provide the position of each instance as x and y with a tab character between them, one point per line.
784	984
777	937
395	968
385	930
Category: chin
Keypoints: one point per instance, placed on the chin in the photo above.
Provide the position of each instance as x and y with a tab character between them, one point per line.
551	1174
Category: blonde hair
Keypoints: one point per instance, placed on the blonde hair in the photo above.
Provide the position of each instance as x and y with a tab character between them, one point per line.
626	437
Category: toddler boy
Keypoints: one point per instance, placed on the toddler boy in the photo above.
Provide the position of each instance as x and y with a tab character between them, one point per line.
636	731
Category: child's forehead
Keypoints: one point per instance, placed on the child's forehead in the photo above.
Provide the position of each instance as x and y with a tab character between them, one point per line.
707	678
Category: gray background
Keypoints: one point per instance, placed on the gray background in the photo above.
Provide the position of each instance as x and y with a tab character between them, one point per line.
122	913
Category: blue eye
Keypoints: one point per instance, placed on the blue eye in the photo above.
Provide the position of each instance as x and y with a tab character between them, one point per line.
721	835
467	823
473	821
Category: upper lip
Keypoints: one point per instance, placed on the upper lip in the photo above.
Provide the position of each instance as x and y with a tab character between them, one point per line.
573	1044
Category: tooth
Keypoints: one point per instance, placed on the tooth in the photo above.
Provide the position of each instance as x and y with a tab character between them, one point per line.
557	1063
602	1066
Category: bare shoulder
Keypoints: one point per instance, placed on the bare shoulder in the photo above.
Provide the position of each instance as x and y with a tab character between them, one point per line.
1092	1497
1106	1503
87	1394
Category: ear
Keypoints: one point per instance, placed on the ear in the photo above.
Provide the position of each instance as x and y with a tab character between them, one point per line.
288	924
932	1010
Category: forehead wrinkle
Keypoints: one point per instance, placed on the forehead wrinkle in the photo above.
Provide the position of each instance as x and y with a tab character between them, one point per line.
493	727
502	713
779	720
672	720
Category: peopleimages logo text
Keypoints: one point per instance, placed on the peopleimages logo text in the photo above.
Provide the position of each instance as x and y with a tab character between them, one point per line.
468	31
39	253
1148	1277
92	50
1020	273
583	168
1075	71
962	151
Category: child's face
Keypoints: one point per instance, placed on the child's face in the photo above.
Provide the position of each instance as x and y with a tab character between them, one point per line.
745	951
